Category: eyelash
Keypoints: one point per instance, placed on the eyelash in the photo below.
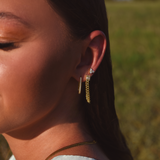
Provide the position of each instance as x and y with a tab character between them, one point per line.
8	46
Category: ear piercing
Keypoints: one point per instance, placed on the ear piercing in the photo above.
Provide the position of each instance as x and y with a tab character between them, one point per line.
91	71
88	78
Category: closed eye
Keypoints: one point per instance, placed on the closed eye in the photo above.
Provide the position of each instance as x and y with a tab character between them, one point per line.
7	46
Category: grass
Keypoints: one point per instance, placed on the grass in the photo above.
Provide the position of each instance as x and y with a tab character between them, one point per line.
135	46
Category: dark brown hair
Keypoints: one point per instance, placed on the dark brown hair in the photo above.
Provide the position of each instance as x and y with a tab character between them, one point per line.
83	17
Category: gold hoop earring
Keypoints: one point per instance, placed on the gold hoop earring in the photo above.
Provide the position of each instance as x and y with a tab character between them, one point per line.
80	85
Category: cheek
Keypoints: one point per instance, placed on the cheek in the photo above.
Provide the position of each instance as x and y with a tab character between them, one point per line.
31	82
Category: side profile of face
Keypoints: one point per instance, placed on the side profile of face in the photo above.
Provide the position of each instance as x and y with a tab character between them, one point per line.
36	61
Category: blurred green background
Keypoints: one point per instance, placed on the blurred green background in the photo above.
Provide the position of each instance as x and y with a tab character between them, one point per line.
135	49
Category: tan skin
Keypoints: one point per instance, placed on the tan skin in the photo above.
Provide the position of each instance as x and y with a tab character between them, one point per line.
39	101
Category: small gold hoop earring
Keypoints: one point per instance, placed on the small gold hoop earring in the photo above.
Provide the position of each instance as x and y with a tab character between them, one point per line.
80	85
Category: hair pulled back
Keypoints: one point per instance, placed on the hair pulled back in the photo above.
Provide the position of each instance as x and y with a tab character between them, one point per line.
83	17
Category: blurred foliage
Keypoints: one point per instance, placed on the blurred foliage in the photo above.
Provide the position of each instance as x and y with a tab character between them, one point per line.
135	46
5	152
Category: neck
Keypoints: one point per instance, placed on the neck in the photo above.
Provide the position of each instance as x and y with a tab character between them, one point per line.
47	141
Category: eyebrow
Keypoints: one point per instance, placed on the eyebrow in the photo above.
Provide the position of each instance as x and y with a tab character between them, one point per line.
9	15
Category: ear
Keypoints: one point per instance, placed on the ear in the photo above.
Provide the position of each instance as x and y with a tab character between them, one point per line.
92	55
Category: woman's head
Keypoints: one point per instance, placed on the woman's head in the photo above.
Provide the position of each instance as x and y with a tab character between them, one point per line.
41	62
55	43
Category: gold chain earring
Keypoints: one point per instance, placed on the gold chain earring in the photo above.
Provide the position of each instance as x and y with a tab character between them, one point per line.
80	85
88	78
87	88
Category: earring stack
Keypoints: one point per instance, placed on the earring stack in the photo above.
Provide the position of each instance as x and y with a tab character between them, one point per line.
88	78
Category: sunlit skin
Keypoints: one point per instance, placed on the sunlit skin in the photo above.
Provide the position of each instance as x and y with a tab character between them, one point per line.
40	109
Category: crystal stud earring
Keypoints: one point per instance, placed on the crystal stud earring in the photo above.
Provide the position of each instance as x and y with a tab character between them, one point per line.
91	71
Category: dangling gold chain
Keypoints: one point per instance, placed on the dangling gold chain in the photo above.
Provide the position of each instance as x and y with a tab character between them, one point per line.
87	89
